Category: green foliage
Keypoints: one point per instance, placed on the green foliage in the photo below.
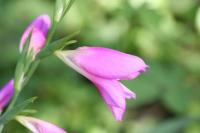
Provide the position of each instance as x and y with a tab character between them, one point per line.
9	115
172	126
163	32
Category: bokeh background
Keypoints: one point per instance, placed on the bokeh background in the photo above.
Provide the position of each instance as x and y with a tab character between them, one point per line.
165	33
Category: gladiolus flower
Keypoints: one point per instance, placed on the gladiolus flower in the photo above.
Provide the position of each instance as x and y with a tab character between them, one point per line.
39	126
6	94
39	29
105	68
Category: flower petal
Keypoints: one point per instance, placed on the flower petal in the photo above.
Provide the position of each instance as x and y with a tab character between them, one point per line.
108	63
111	91
39	126
128	93
113	94
39	28
6	94
118	113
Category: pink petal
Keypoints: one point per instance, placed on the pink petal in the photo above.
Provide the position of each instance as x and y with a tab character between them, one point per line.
39	28
128	93
39	126
111	91
108	63
6	94
38	40
113	94
118	113
132	76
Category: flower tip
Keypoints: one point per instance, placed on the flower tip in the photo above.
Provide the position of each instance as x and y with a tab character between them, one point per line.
144	69
39	126
131	96
118	113
60	53
119	118
39	29
147	67
6	94
11	82
46	19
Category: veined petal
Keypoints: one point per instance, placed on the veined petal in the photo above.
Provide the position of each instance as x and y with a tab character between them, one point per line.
38	40
131	76
117	112
6	94
39	126
108	63
113	92
114	95
128	93
39	28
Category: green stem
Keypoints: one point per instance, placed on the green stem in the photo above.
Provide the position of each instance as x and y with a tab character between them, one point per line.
17	90
20	85
51	33
1	128
10	106
30	72
14	99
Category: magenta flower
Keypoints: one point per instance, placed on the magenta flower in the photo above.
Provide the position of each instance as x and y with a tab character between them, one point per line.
39	28
105	68
6	94
39	126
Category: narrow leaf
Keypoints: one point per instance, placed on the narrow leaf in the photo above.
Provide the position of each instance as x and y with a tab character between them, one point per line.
197	21
57	45
173	125
58	13
68	5
15	110
28	111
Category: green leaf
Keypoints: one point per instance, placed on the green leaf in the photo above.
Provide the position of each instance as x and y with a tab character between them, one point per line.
57	45
61	8
32	69
173	125
68	4
9	115
178	100
19	75
197	21
21	64
26	46
58	13
28	111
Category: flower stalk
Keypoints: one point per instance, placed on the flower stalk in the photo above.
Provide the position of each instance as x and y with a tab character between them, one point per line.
36	39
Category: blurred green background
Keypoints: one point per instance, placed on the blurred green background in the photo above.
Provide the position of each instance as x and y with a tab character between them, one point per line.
165	33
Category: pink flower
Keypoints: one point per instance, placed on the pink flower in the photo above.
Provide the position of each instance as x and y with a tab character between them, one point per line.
39	28
6	94
105	68
39	126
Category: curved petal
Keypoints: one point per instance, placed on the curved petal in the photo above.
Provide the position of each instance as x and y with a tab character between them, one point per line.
117	112
108	63
39	126
38	40
113	94
39	28
128	93
6	94
111	91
